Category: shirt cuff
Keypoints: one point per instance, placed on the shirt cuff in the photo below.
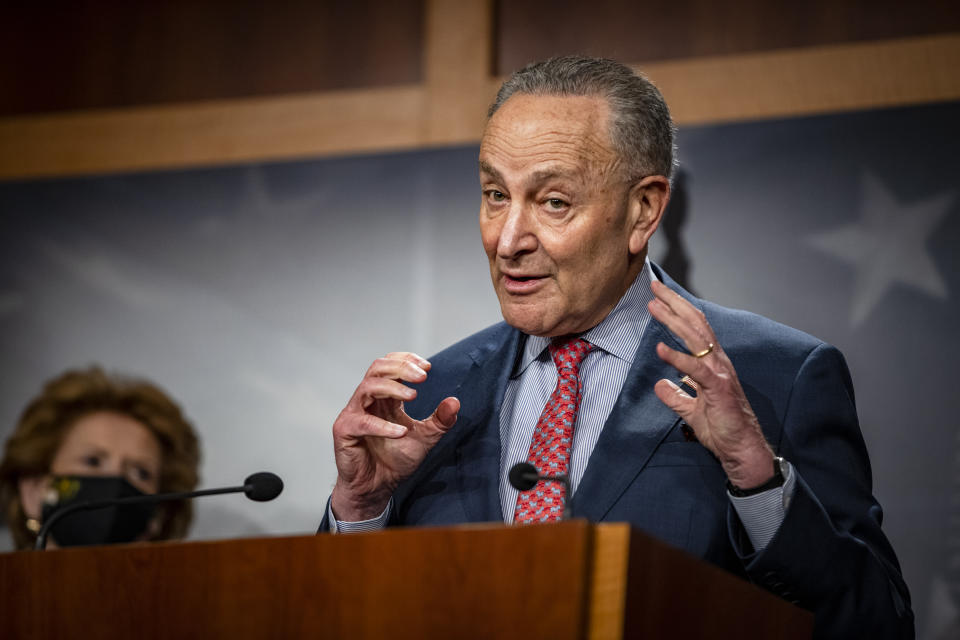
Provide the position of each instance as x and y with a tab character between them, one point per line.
374	524
763	513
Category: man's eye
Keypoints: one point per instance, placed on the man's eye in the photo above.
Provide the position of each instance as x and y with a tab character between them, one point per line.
92	461
496	196
556	204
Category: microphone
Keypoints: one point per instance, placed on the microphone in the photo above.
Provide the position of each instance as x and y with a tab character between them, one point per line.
524	476
261	487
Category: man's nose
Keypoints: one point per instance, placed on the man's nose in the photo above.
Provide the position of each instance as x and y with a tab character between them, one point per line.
517	235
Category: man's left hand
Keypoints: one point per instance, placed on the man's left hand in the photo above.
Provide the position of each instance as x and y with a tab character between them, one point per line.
720	415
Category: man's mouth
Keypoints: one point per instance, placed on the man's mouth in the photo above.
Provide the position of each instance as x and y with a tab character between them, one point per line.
522	283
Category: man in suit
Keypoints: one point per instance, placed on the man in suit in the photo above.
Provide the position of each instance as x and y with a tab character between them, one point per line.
718	431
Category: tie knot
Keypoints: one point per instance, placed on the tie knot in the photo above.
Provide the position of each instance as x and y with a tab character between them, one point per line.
569	353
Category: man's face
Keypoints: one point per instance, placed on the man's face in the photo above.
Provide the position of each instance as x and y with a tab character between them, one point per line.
556	216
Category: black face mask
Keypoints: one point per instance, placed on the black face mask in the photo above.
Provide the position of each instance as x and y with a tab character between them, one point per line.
106	525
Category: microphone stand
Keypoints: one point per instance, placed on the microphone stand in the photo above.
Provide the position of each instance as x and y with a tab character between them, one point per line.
258	487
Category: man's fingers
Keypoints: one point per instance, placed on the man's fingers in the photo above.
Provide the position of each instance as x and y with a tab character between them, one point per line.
370	425
445	415
677	303
408	355
682	318
685	363
407	369
675	398
693	337
383	389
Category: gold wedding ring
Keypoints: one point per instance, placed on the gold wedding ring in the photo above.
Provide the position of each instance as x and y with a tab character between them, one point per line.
687	380
706	351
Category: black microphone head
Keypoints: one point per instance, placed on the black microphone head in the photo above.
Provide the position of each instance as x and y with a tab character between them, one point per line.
262	486
523	476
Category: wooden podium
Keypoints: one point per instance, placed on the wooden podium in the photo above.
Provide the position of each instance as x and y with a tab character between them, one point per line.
567	580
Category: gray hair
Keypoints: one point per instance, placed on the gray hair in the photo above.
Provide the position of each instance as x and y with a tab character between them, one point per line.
640	126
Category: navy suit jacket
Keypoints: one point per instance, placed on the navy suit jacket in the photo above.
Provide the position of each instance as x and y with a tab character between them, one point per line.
829	556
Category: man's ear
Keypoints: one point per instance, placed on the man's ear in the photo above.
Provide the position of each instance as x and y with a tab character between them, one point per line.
648	200
32	490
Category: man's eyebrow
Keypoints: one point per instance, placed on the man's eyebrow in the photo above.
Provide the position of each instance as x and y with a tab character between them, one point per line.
536	177
548	174
489	170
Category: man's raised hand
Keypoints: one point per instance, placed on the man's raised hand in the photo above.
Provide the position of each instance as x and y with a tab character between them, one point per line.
720	414
376	444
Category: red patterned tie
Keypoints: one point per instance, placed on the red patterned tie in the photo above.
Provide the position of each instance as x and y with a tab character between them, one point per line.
553	436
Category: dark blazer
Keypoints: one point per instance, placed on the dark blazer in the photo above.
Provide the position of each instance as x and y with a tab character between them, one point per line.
829	556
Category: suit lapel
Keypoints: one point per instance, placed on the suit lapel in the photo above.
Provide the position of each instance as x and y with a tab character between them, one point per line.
478	449
636	426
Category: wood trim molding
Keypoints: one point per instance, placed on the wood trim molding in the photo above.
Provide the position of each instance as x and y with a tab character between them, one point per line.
449	107
211	133
802	82
608	590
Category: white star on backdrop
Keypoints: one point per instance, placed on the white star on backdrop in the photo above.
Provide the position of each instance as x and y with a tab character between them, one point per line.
887	246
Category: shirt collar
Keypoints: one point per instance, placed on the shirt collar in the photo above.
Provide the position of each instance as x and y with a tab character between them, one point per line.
618	334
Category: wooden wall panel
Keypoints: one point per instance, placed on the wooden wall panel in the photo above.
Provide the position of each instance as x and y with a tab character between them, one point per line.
641	32
454	86
86	54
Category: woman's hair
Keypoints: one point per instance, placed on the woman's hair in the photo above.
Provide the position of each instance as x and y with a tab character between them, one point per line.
77	393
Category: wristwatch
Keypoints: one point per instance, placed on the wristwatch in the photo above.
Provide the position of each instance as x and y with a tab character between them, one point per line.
779	477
